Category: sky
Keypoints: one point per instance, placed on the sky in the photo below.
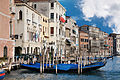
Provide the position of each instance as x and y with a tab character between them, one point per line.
104	14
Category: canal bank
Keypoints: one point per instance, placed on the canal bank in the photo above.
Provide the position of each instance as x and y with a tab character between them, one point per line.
110	72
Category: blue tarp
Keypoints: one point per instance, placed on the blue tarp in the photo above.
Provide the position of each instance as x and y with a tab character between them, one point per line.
64	67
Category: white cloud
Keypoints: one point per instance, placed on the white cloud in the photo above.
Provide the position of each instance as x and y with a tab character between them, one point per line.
75	18
102	9
94	25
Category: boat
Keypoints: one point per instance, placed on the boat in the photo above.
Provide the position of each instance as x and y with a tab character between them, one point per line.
66	67
2	74
74	67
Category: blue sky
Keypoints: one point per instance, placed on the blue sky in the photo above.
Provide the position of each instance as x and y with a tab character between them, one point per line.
98	15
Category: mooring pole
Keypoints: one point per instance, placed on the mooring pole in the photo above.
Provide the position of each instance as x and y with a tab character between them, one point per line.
40	63
56	64
50	63
79	65
46	59
53	58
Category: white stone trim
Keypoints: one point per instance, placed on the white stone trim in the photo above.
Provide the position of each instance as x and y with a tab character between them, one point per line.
7	39
5	15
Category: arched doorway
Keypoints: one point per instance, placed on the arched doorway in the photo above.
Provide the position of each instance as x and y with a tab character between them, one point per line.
5	51
36	50
18	51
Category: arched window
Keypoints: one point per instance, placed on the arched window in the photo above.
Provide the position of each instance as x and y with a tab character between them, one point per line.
5	51
20	15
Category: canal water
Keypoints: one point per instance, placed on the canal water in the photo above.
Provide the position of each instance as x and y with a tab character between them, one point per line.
111	71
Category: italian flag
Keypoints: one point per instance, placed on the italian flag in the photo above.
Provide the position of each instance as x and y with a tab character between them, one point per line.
63	18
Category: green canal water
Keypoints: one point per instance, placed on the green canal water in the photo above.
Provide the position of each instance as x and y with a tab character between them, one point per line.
111	71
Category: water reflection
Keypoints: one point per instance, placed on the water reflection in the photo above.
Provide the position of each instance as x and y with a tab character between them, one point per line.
110	72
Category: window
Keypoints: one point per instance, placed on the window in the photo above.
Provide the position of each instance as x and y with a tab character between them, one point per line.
27	50
31	50
59	31
20	15
52	16
35	6
52	31
82	40
56	16
52	5
11	28
5	51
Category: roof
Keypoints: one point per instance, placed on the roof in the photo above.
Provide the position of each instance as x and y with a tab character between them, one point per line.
48	1
89	26
83	32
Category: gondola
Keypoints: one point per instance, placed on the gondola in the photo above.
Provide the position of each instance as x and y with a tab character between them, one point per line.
65	67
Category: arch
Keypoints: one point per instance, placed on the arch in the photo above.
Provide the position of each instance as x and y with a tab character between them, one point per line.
20	15
18	50
36	50
5	51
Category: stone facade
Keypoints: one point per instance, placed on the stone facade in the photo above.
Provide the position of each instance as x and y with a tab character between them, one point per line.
94	43
29	29
72	35
53	10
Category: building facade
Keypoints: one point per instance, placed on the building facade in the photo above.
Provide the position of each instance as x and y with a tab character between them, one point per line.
54	11
72	35
83	41
110	43
30	29
94	43
7	28
118	43
115	44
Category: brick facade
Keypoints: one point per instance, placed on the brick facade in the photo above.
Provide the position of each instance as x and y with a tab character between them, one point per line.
10	48
7	28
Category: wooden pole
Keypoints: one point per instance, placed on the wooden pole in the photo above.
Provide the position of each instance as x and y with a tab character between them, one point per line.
53	58
47	59
79	65
50	62
44	58
10	65
33	59
56	64
40	63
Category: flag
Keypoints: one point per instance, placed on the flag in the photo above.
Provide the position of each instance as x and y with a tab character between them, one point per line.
63	18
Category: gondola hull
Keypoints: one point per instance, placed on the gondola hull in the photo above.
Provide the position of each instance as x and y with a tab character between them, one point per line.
73	68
